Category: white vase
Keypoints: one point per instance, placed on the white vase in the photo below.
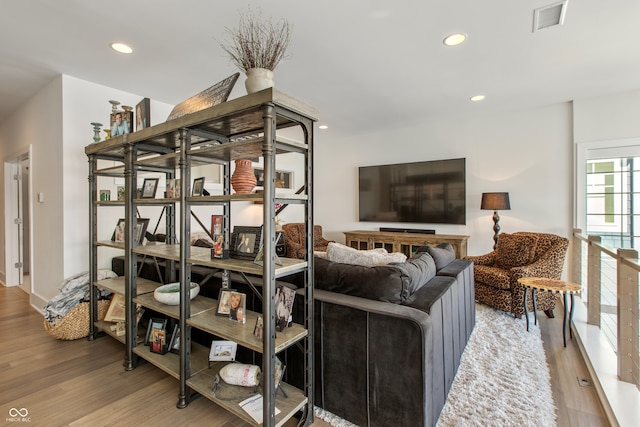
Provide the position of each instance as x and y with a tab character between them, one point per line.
258	79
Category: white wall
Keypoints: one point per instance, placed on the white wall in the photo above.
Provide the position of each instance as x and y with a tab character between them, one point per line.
56	121
527	153
39	123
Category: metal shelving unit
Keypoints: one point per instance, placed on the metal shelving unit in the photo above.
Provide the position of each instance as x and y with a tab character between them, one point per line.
241	128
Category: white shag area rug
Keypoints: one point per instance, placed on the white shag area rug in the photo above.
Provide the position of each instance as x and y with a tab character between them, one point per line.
503	378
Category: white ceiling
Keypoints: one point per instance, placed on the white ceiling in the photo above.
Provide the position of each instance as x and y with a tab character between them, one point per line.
362	63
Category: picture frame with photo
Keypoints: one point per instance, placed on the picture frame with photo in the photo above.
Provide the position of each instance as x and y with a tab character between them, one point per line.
140	231
258	329
284	304
198	187
156	337
223	351
260	257
174	343
173	188
121	122
238	307
143	114
245	242
283	179
149	187
223	302
116	311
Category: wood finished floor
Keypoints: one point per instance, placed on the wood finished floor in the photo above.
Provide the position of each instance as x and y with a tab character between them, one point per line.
82	383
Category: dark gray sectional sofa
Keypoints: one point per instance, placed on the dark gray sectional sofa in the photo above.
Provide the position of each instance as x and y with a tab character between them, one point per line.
389	338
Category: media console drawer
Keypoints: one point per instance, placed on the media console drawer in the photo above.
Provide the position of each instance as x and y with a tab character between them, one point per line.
406	243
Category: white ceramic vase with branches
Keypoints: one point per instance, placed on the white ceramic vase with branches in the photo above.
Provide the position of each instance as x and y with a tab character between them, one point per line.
256	46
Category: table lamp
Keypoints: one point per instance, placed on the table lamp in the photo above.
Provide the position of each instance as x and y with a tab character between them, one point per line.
495	202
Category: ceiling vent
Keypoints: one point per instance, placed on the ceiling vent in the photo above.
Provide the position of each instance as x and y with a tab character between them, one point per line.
550	15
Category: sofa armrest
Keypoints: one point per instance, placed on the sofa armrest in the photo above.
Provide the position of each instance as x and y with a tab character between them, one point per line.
487	259
368	351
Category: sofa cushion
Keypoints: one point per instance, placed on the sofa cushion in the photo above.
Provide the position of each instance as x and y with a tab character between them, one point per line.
515	250
443	254
392	283
337	252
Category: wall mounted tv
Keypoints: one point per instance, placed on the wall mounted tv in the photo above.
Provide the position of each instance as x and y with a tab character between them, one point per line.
423	192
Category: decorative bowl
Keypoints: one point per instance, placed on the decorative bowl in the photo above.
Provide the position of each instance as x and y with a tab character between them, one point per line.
170	293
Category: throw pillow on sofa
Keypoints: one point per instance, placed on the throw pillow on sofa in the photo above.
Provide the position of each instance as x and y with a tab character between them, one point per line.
337	252
392	283
515	250
443	254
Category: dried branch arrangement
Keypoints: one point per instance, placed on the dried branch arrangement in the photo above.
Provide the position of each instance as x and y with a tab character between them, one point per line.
257	43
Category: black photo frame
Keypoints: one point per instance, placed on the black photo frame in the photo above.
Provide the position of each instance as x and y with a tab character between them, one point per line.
283	306
149	187
174	343
141	229
156	337
143	114
198	186
245	242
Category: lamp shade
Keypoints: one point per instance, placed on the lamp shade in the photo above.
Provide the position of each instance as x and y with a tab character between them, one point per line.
495	202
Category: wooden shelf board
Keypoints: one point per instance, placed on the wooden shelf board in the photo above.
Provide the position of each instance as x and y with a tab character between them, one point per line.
170	362
117	285
203	381
110	244
106	328
109	203
202	256
240	333
199	305
159	251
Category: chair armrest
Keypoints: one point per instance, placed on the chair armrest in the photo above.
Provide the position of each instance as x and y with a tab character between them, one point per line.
487	259
295	250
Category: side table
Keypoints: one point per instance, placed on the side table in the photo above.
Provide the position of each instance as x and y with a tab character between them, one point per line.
554	286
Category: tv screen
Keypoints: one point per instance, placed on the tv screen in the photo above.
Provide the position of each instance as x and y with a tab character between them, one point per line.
423	192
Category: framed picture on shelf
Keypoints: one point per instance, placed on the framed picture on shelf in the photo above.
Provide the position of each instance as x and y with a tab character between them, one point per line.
118	233
149	188
116	310
283	179
143	114
222	351
216	224
284	305
238	307
245	242
105	195
156	337
258	329
121	122
198	187
141	229
223	302
173	188
174	343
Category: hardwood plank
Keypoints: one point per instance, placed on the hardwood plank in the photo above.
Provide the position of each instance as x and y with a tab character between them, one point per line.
577	406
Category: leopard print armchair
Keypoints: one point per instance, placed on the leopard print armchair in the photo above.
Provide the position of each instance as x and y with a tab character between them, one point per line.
294	239
518	255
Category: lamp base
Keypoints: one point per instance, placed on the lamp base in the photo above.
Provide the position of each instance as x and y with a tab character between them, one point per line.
496	229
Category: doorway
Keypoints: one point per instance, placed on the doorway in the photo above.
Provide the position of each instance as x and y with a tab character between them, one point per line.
18	214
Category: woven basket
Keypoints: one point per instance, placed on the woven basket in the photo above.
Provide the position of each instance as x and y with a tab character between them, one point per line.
75	324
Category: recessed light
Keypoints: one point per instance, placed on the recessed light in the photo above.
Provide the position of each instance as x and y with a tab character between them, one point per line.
121	47
476	98
323	127
454	39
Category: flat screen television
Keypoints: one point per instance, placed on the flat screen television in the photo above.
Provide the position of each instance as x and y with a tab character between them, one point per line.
430	192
